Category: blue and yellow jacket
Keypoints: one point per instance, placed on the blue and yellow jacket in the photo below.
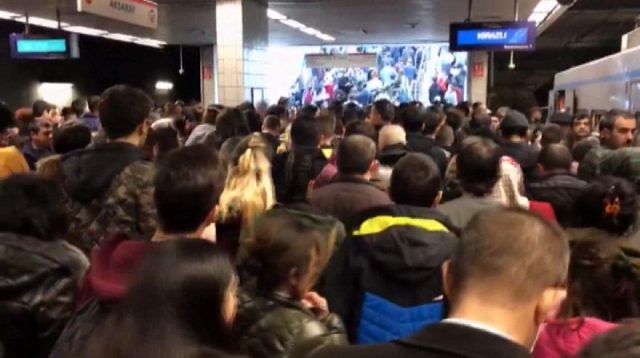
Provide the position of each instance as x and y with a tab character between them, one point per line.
385	280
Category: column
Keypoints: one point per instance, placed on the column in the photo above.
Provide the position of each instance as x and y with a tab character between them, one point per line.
242	34
479	68
207	80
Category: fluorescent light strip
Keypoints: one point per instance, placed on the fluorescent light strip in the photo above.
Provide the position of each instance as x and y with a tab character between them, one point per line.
53	24
543	9
274	15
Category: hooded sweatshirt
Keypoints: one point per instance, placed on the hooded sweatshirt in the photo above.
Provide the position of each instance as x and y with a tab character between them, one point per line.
564	339
385	280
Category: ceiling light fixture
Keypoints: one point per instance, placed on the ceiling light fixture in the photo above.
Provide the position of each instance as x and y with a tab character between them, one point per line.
7	15
85	30
120	37
39	21
164	86
275	15
543	10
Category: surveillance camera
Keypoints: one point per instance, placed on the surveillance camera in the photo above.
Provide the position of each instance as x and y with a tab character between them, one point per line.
512	66
181	71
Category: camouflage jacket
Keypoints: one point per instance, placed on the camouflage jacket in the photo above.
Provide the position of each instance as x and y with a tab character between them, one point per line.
127	206
589	168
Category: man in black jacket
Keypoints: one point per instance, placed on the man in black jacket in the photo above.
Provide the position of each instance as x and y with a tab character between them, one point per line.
513	129
557	185
413	121
504	278
385	280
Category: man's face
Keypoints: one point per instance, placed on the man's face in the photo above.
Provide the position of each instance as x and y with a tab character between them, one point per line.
374	118
536	117
582	128
43	138
624	130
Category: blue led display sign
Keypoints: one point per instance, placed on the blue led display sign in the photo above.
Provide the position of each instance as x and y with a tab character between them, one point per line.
501	36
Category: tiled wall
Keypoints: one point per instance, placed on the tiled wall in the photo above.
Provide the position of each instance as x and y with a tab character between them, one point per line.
479	85
242	39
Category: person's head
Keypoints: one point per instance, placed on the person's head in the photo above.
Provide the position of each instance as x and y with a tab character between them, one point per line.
363	128
68	115
162	141
357	156
478	165
182	301
552	134
391	134
230	123
211	115
352	112
272	124
305	132
253	120
382	112
66	139
327	128
445	137
289	251
248	190
617	129
603	282
124	113
513	263
41	133
433	119
79	107
188	184
412	120
514	126
501	112
7	120
94	104
309	110
622	342
416	181
581	127
479	108
535	115
608	203
32	206
464	108
454	119
278	111
554	157
42	110
581	149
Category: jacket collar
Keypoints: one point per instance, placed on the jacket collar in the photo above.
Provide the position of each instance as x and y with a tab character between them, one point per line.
448	337
343	178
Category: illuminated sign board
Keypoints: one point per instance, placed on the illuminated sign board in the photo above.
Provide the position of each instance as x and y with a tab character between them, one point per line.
137	12
39	47
495	36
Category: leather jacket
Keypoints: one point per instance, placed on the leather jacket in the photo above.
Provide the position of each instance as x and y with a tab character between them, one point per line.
39	281
272	326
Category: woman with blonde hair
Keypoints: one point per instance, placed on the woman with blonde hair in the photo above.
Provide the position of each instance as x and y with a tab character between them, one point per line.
248	192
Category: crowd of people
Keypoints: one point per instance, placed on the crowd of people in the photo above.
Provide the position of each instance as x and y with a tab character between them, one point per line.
384	231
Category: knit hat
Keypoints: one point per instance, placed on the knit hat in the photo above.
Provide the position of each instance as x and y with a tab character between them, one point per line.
561	118
514	120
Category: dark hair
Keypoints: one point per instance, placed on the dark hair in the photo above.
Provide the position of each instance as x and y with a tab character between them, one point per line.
326	126
69	138
480	125
174	306
166	140
622	342
246	106
32	206
352	112
305	132
94	103
358	127
272	123
552	134
355	154
603	283
7	119
464	108
308	110
432	118
609	119
78	106
39	107
476	105
230	123
511	250
35	126
478	165
454	119
412	119
581	149
276	111
188	185
284	241
580	117
253	120
385	109
123	109
415	180
612	192
555	157
513	131
211	115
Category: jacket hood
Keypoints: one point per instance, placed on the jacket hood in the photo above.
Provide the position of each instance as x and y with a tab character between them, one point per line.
26	260
410	253
88	173
113	265
392	154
